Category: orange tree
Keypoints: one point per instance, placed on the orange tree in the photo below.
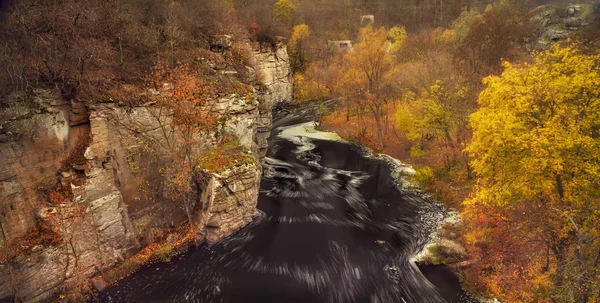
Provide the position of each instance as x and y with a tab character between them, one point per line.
368	77
184	113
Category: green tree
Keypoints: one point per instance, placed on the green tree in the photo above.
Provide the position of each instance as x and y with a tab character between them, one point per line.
536	153
284	10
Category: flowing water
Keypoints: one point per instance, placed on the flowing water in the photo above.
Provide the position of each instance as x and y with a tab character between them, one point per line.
338	227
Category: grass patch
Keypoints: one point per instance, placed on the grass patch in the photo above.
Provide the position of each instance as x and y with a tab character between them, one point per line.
154	253
441	254
225	156
164	253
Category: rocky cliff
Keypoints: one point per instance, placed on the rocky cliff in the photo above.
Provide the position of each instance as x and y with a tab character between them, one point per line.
553	23
80	187
273	70
230	202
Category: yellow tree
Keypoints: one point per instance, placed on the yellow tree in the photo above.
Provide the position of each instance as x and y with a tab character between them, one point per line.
312	84
297	47
369	74
438	112
536	152
438	116
397	34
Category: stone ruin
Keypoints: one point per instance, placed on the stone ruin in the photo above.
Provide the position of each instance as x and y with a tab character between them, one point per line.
340	44
346	45
367	20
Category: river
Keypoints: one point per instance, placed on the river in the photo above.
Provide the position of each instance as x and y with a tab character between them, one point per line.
338	227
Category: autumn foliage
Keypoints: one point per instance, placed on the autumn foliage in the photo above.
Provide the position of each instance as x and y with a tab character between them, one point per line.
187	97
520	150
184	111
533	216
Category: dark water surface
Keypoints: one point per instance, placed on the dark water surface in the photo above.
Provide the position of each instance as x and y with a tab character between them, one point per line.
337	228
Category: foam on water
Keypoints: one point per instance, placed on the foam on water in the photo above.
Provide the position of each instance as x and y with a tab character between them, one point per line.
306	130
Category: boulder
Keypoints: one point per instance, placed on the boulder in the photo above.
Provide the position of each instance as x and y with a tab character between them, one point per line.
572	23
221	43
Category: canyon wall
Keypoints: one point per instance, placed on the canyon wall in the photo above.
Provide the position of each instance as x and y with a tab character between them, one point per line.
79	186
273	70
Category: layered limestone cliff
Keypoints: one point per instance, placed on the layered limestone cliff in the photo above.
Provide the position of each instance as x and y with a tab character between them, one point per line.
47	241
230	202
273	69
79	185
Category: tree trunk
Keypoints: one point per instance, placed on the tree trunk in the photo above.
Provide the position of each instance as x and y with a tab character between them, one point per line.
348	113
559	186
377	114
441	12
188	212
121	63
558	248
189	196
415	10
448	137
469	169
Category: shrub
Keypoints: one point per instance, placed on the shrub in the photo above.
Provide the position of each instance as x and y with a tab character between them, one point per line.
424	174
224	157
76	155
416	152
23	246
164	253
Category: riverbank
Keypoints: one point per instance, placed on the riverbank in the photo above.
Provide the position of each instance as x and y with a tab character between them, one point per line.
444	249
448	184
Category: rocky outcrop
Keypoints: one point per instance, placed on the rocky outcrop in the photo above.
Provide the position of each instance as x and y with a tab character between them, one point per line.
115	203
88	175
34	137
273	70
243	119
130	136
40	134
229	201
553	23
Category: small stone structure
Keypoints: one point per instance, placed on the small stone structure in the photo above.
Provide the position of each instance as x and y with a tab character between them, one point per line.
367	20
340	44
